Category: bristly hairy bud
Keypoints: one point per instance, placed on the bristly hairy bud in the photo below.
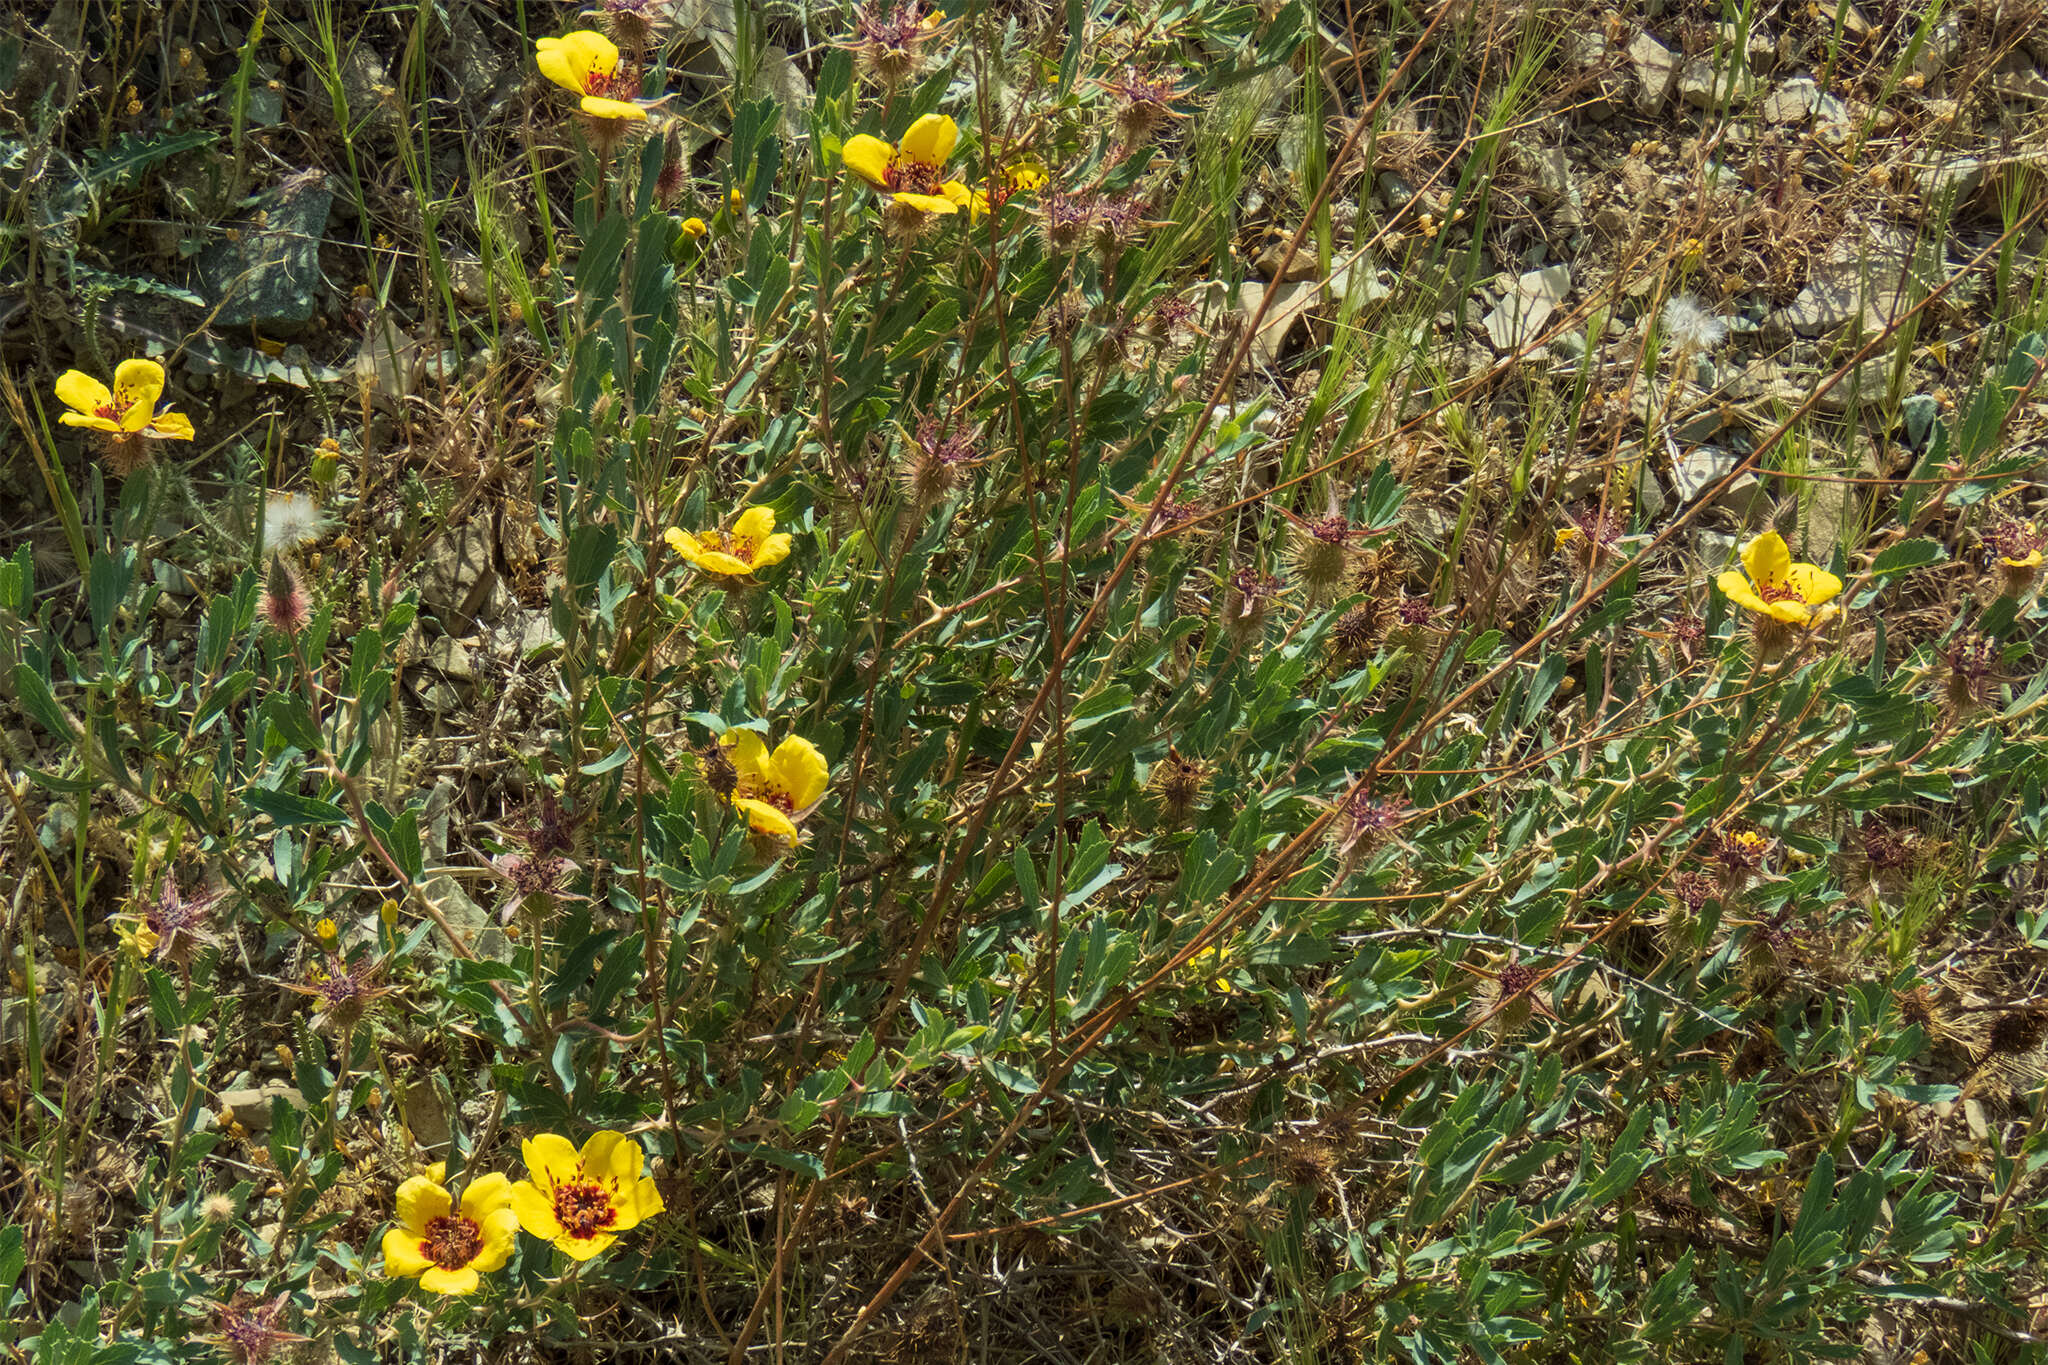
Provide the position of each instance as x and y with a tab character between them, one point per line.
632	22
1248	602
1143	102
674	172
1178	785
343	990
249	1331
283	606
1770	942
1972	672
1319	555
1118	220
1690	892
2018	547
718	772
1357	631
1365	824
1741	852
888	43
934	463
1068	219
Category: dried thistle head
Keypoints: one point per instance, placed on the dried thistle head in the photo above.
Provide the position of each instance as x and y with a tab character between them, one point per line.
632	22
343	990
1507	998
1771	942
2016	1033
1357	632
1365	824
1741	851
1690	892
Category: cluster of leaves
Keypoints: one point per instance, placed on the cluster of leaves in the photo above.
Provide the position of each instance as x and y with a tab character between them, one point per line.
1216	897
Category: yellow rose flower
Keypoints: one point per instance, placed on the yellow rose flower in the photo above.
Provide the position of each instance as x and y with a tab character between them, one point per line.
587	63
1795	594
912	173
127	409
581	1201
448	1248
775	790
753	543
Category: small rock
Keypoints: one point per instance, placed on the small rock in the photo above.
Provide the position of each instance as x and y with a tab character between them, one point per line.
477	926
441	699
1612	220
466	275
1656	73
1939	51
1952	180
1793	101
1525	307
267	278
537	637
449	656
460	583
1704	87
251	1107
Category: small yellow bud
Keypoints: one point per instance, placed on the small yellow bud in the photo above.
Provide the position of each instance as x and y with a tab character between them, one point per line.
738	200
694	228
327	931
388	912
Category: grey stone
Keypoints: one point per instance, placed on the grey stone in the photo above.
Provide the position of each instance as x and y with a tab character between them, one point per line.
250	1107
1952	179
1656	71
1526	306
268	278
440	698
1939	50
477	927
1700	468
1793	101
1705	87
460	584
537	638
450	656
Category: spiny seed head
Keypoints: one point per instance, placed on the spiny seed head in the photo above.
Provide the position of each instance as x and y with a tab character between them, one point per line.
1247	603
249	1331
1506	1003
178	922
2018	546
888	42
1773	940
935	462
1917	1006
631	22
719	774
1972	671
1688	632
1414	611
1356	631
1118	221
2017	1032
1144	101
1067	219
1320	555
1886	847
1178	784
1366	823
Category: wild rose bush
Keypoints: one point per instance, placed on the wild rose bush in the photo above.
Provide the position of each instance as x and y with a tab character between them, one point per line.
1034	817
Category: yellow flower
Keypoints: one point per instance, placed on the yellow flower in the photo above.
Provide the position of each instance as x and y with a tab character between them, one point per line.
913	171
581	1201
753	543
587	63
776	790
1029	177
1210	964
328	930
1776	587
736	201
694	228
127	409
447	1247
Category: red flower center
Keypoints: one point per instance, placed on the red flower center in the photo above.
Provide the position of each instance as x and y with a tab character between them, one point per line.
912	177
1778	592
584	1210
452	1241
738	546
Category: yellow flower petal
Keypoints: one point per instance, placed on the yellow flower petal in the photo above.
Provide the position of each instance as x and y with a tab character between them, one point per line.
597	106
611	1158
1814	584
930	140
694	228
501	1235
535	1212
137	386
2032	560
570	61
1766	558
79	390
868	157
420	1199
749	757
403	1256
80	419
755	525
648	1198
551	1159
928	203
1738	590
439	1281
437	1171
766	819
974	201
773	550
486	1195
800	771
1791	612
583	1248
170	426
